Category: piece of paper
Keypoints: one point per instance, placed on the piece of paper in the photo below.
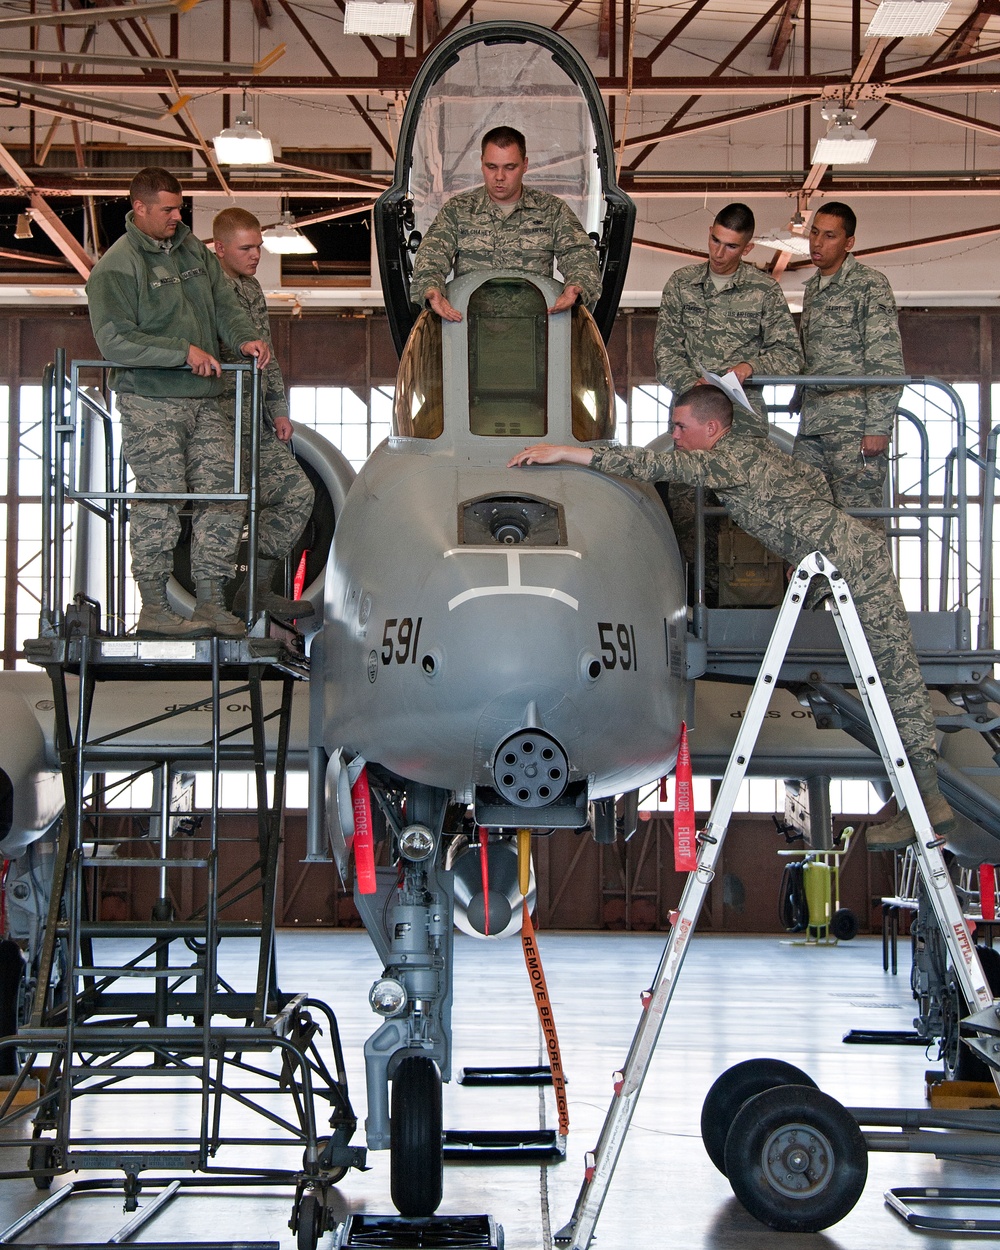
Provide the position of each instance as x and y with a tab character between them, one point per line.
729	383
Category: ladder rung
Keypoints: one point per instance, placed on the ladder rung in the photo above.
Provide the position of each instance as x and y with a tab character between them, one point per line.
189	971
108	861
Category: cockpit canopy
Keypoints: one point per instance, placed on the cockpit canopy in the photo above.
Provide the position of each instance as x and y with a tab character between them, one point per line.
491	74
510	357
505	84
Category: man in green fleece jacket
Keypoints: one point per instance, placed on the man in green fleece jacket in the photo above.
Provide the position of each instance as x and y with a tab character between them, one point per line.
159	301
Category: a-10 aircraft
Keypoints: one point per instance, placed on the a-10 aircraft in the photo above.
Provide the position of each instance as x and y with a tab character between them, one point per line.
501	653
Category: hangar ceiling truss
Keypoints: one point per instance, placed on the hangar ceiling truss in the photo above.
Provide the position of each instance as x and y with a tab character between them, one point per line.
147	94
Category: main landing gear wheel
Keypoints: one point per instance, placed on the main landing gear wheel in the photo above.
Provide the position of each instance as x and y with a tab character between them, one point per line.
416	1159
796	1159
732	1089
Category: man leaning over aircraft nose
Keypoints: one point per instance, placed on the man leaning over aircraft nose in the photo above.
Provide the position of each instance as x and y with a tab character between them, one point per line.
789	508
505	225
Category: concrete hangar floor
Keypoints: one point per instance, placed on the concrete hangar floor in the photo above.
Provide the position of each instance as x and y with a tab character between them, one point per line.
737	998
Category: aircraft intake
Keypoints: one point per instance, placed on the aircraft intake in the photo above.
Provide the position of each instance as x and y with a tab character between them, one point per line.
530	769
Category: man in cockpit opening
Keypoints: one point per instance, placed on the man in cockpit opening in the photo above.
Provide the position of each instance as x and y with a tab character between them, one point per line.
505	225
788	506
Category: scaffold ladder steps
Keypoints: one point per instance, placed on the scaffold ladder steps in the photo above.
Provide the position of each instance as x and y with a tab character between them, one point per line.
578	1232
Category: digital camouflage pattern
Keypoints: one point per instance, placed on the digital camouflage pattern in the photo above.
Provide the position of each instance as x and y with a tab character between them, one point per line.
182	445
273	401
700	328
285	494
855	481
472	233
850	327
788	507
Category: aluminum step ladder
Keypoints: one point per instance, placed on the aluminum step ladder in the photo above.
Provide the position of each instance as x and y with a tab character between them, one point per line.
600	1165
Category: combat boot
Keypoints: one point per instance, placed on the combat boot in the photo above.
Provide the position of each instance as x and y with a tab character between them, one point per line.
157	618
269	600
897	833
210	610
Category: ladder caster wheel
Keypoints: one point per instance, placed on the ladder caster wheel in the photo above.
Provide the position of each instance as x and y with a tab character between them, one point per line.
40	1156
796	1159
844	925
732	1089
310	1221
415	1140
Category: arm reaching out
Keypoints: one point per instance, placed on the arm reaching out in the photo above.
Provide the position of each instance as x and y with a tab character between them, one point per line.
552	453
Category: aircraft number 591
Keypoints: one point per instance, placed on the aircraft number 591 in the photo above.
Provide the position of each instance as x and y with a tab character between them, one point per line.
399	640
618	646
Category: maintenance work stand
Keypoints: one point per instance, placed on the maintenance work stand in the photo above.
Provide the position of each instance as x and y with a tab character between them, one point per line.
123	1011
808	1169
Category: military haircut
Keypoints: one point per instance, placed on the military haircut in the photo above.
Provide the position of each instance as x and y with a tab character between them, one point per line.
149	182
226	223
736	217
707	403
844	214
504	137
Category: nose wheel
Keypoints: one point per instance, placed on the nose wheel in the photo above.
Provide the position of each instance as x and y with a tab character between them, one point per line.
416	1137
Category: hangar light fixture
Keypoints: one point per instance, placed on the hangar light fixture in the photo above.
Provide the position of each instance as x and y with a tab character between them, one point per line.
243	144
23	228
897	19
784	241
392	18
843	143
285	239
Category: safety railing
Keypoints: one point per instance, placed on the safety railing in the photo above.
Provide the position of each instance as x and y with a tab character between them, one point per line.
86	471
952	512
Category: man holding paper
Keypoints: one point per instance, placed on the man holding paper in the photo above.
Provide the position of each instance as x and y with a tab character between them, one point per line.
724	316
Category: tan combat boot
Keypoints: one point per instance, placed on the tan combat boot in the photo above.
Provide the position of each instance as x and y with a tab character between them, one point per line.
210	611
898	833
269	600
157	618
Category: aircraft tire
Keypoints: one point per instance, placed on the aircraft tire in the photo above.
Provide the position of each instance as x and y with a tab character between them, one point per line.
796	1159
416	1159
844	925
732	1089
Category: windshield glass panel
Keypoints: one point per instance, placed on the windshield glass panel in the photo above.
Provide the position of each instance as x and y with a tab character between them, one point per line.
505	84
508	328
418	408
593	391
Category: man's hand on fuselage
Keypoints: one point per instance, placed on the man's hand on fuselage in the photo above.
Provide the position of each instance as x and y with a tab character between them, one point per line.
570	293
551	453
441	306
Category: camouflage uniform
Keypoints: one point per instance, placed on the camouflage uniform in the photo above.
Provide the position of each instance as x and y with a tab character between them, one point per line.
285	494
788	507
849	328
149	301
699	328
472	233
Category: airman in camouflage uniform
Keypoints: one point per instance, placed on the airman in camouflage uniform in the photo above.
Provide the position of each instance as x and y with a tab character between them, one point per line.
720	316
706	323
788	507
849	327
505	225
285	494
158	300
